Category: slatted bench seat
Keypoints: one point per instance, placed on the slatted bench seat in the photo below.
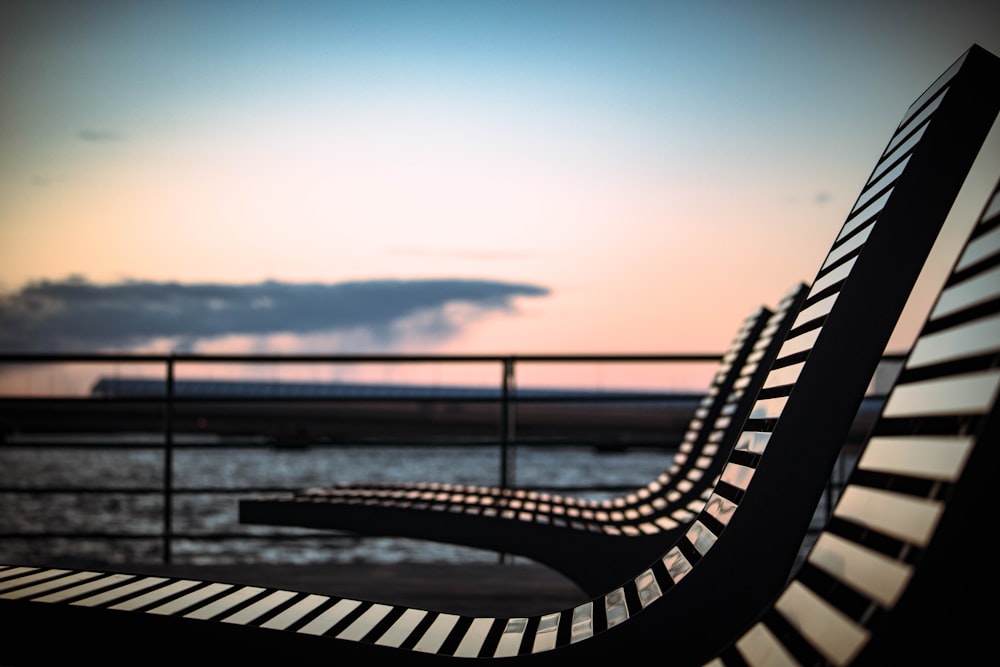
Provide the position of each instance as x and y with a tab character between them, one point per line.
735	559
554	530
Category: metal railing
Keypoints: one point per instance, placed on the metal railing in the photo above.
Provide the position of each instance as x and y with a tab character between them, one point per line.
21	415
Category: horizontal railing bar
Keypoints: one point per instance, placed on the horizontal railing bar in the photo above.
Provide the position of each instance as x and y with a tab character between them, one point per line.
175	535
48	357
611	397
193	491
324	534
293	445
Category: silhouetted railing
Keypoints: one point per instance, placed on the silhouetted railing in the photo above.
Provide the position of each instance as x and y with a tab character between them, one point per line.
483	416
172	408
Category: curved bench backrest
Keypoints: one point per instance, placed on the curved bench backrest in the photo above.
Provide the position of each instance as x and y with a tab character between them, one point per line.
898	574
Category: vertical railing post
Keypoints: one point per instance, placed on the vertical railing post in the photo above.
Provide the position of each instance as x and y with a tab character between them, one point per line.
506	422
168	462
506	429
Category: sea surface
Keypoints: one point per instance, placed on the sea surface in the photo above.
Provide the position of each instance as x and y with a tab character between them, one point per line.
125	497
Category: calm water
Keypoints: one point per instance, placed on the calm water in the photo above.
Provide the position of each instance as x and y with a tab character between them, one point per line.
23	467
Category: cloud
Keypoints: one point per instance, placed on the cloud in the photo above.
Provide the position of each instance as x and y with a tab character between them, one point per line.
79	316
822	198
101	136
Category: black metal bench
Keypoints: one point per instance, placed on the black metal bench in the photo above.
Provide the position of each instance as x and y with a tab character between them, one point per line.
867	577
618	535
898	574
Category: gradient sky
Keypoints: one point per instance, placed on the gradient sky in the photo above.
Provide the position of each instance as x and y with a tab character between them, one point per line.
558	177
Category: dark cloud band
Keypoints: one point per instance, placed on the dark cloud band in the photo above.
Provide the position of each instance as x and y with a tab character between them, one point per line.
77	315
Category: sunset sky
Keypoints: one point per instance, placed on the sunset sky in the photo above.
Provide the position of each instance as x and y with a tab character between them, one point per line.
451	177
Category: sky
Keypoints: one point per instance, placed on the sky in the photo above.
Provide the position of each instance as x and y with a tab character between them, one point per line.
484	177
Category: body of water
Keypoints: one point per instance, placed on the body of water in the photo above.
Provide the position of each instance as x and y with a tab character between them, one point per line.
211	479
